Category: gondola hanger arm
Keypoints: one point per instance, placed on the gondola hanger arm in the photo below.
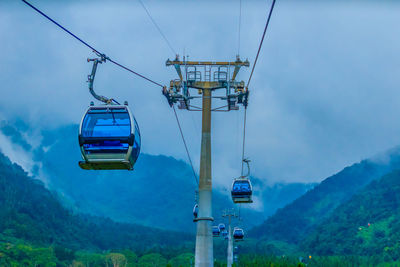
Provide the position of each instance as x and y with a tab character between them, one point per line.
91	77
247	162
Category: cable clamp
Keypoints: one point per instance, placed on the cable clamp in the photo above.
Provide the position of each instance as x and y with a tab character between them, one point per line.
103	57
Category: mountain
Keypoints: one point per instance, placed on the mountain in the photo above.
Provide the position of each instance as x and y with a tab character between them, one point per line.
368	224
30	212
295	221
280	194
160	191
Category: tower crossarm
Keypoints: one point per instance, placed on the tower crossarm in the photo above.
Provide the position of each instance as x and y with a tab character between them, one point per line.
207	75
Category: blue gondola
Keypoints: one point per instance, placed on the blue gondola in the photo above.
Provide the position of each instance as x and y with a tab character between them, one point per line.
238	234
235	258
224	233
109	138
221	226
215	231
242	190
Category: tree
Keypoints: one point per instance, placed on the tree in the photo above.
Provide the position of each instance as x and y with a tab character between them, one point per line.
152	260
182	260
116	259
131	258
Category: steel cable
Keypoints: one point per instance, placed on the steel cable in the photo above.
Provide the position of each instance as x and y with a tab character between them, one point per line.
251	75
89	46
184	142
262	40
158	28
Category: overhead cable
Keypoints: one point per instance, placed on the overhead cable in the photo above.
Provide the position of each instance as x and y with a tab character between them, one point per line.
89	46
158	28
244	138
184	142
251	75
262	40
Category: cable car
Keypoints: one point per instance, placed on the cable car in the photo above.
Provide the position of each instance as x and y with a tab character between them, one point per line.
224	233
221	226
109	138
235	258
238	234
242	190
195	211
215	231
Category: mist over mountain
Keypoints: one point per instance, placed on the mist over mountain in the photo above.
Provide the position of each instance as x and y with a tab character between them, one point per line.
31	213
160	192
295	221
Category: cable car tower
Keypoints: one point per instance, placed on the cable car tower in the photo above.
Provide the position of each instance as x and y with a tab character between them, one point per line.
201	80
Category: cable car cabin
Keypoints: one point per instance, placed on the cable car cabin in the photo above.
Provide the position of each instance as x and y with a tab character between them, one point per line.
215	231
238	234
242	191
224	233
221	226
109	138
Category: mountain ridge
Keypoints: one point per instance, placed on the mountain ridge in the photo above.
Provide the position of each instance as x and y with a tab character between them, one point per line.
30	212
294	221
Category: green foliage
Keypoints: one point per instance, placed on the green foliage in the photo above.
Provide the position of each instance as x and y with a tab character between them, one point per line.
182	260
131	258
297	220
28	211
90	259
152	260
115	260
21	255
25	255
368	224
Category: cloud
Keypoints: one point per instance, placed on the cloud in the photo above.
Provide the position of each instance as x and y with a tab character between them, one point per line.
324	93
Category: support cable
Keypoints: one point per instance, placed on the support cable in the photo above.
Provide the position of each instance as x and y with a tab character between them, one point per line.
240	25
158	28
89	46
184	142
244	138
262	40
251	75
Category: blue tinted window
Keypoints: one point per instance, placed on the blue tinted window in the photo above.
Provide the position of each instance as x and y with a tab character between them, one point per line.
241	186
106	147
107	122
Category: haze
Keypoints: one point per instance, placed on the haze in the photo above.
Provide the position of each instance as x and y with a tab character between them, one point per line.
325	92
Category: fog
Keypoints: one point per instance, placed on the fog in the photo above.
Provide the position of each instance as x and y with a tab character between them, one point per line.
324	94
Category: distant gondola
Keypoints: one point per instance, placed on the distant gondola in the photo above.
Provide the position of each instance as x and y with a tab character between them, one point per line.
215	231
238	234
109	138
242	190
224	233
221	226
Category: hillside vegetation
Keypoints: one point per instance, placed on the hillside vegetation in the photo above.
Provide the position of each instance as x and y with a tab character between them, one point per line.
368	224
160	192
295	221
29	212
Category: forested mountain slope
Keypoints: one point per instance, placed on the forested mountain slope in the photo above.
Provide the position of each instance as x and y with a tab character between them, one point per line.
29	212
159	192
295	221
368	224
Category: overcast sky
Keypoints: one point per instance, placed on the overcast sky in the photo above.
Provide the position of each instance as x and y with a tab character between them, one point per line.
325	93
